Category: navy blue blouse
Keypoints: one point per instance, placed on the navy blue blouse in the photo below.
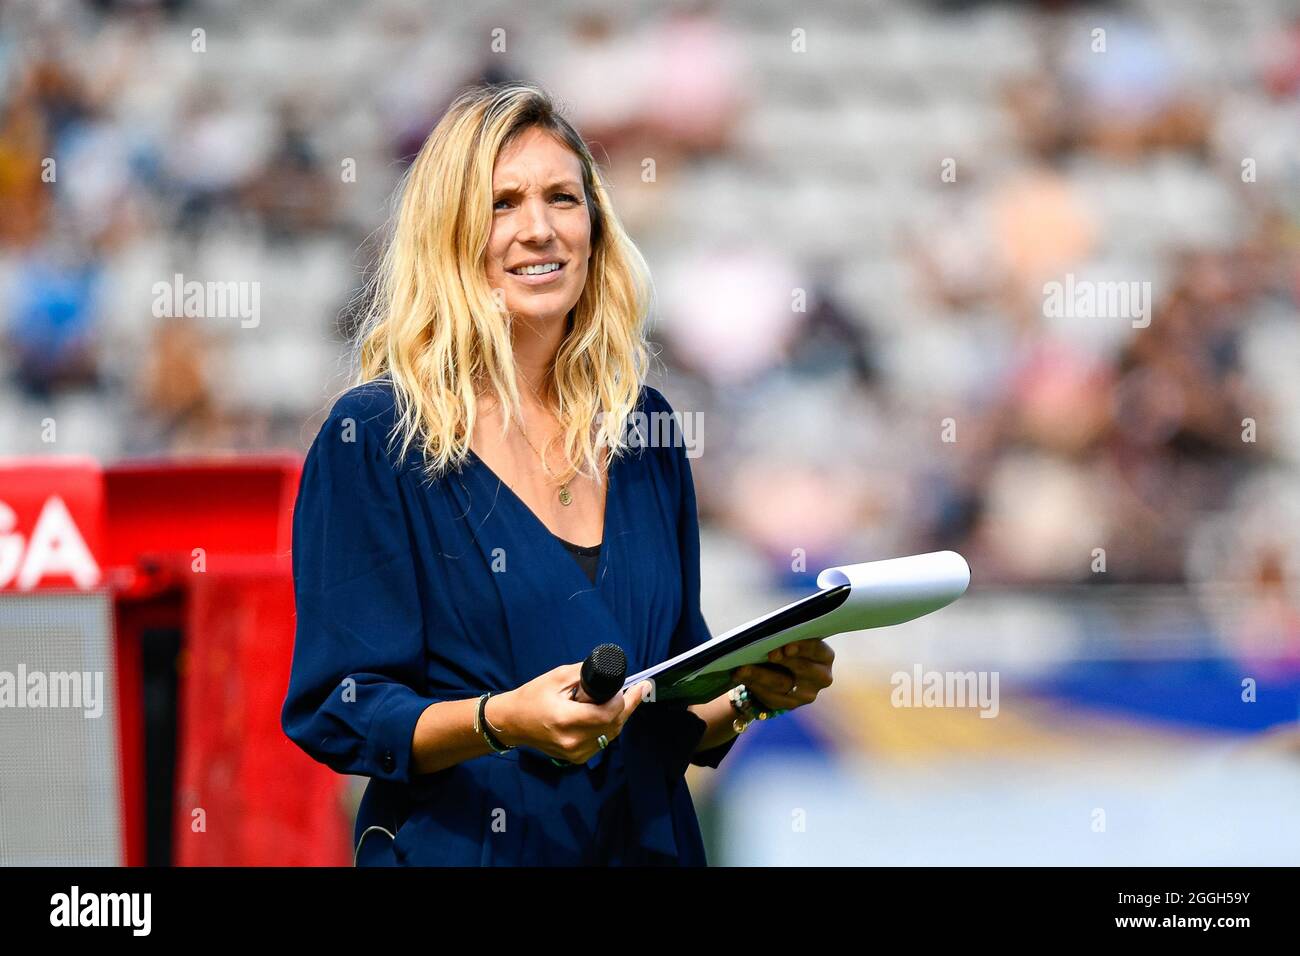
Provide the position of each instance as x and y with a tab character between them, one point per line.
588	557
411	592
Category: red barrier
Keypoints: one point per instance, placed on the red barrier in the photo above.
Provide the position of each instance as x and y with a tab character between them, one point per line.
246	794
197	546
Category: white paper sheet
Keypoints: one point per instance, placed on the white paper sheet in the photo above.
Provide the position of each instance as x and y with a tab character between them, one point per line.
883	593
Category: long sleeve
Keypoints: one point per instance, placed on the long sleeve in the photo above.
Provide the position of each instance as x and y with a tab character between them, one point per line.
692	629
358	669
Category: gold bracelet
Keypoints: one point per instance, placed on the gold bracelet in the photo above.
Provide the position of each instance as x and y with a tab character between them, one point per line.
740	704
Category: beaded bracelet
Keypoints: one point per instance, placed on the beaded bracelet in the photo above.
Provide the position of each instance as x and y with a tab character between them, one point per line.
744	705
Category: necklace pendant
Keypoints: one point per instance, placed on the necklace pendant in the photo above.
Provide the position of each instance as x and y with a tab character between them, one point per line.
565	497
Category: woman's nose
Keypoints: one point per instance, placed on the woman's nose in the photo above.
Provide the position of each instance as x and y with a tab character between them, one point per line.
535	224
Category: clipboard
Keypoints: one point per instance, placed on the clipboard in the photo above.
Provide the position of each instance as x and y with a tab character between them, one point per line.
854	597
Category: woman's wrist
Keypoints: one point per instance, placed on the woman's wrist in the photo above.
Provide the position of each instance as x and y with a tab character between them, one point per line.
747	709
500	718
717	716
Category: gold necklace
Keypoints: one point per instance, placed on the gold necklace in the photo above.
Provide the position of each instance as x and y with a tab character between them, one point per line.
566	498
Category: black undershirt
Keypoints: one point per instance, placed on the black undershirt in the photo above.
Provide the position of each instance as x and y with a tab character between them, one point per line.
587	558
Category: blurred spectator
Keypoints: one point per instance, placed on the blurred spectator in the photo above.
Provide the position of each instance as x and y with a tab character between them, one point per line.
215	153
23	196
1041	229
175	407
731	312
293	196
605	85
698	84
1282	62
1128	87
832	340
54	318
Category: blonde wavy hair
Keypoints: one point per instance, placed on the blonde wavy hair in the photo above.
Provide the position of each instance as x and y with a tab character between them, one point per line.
435	328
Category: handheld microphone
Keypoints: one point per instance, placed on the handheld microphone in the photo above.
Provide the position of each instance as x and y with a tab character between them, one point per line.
601	678
603	673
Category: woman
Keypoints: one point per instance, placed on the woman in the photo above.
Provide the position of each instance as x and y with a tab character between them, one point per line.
472	520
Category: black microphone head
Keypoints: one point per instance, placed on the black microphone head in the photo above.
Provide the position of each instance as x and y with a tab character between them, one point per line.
603	672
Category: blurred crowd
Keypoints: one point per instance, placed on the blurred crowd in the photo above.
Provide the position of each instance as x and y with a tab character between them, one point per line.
852	217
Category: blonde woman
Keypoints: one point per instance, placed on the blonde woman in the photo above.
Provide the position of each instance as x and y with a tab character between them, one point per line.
474	517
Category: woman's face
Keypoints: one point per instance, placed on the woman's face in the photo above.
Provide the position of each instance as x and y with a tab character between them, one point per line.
539	216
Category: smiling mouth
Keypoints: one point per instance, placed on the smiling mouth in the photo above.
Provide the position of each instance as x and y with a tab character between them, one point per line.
549	268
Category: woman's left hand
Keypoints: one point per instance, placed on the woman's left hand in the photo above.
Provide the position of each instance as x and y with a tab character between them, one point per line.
794	675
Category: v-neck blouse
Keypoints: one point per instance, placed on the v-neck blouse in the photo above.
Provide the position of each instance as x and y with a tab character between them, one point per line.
410	592
587	557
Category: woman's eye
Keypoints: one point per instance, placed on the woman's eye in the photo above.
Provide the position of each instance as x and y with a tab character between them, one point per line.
562	197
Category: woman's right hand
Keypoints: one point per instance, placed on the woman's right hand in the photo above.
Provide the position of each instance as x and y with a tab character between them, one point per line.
541	714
